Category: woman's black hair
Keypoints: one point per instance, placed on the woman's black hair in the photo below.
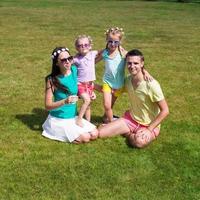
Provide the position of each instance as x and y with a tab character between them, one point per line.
55	71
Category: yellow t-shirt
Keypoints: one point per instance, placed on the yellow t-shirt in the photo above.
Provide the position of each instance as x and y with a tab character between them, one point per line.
143	100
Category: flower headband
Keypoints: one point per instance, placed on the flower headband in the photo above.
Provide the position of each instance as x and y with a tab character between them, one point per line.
114	30
83	36
56	53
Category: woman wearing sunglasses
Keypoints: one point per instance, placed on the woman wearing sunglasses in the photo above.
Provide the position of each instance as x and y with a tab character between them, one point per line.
61	102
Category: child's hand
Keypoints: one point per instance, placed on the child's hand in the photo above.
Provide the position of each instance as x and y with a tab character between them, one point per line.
147	76
93	96
123	51
79	122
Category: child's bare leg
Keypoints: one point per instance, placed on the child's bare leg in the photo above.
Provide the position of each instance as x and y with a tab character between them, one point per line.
107	101
117	127
88	114
114	98
109	107
86	103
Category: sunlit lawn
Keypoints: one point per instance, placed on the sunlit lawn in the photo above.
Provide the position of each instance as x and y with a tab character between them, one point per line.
32	167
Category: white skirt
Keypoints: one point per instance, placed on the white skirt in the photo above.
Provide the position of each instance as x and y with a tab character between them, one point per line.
65	130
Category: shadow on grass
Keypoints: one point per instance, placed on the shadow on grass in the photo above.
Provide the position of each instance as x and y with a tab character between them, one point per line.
34	120
97	120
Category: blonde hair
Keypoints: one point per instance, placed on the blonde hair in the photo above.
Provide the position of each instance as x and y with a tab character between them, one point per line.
82	37
114	31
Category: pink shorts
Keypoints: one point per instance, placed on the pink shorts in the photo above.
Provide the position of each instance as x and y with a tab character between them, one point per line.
134	126
86	87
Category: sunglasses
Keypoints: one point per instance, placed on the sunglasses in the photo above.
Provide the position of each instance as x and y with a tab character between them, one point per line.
83	45
114	42
69	59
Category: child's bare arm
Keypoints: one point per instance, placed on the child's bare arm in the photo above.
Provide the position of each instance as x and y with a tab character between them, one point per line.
123	51
99	56
147	76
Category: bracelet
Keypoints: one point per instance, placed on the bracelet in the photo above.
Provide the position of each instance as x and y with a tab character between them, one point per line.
64	102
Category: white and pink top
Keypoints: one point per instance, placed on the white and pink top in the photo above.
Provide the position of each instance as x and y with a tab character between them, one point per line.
86	66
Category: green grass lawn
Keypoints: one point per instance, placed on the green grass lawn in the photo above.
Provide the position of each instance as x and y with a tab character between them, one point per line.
35	168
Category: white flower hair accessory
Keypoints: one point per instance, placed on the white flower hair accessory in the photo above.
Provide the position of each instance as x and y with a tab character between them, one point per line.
114	30
81	37
56	53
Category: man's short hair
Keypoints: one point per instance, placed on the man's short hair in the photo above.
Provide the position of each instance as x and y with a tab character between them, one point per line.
135	52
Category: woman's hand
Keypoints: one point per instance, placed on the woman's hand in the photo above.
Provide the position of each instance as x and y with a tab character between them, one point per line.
71	99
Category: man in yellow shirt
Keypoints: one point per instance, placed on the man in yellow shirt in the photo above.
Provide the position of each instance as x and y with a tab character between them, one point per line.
140	124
